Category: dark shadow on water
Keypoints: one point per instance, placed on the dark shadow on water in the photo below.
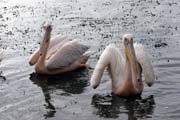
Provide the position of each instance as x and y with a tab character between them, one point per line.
111	106
71	83
2	77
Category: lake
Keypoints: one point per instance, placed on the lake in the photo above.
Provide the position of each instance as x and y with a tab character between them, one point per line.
26	95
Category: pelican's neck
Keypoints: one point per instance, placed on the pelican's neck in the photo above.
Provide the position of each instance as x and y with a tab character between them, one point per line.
44	47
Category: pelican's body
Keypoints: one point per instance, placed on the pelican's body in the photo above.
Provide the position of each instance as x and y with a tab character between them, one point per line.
59	55
125	69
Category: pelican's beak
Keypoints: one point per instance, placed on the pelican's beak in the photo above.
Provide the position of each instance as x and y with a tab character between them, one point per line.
130	53
47	34
46	39
41	49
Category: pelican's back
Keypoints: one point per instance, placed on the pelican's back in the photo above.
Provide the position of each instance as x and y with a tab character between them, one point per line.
66	55
57	43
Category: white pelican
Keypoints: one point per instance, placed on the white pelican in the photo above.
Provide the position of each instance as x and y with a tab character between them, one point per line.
125	70
59	55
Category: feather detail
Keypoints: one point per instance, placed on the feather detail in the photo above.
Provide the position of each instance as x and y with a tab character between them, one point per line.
66	55
145	62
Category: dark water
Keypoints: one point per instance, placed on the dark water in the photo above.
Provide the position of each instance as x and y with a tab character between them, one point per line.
25	95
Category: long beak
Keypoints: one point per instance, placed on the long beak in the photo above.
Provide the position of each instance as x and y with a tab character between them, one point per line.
45	41
130	53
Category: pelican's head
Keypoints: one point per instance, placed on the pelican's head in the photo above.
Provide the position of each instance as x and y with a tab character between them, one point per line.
127	39
129	49
131	56
47	28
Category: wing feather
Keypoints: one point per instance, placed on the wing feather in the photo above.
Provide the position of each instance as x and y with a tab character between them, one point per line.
56	43
66	55
145	62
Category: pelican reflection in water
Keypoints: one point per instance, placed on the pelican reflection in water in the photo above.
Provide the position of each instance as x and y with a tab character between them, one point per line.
58	87
125	70
1	58
59	55
133	108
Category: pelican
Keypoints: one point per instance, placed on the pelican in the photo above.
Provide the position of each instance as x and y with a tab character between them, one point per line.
59	55
126	69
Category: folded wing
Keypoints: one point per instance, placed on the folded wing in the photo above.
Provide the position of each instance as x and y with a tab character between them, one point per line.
65	55
56	43
145	62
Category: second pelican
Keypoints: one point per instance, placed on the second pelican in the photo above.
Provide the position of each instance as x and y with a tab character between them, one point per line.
125	70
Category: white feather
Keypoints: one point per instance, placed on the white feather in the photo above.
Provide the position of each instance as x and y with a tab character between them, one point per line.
145	62
113	58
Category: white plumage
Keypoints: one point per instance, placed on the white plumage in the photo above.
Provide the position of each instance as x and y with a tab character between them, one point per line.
125	69
143	58
59	55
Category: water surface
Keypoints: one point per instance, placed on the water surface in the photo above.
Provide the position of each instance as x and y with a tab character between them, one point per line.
26	95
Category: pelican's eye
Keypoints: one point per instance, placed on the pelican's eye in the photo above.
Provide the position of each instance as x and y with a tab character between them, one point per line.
126	41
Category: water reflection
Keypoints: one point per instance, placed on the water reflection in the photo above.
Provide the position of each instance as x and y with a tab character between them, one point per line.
110	106
71	83
2	77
